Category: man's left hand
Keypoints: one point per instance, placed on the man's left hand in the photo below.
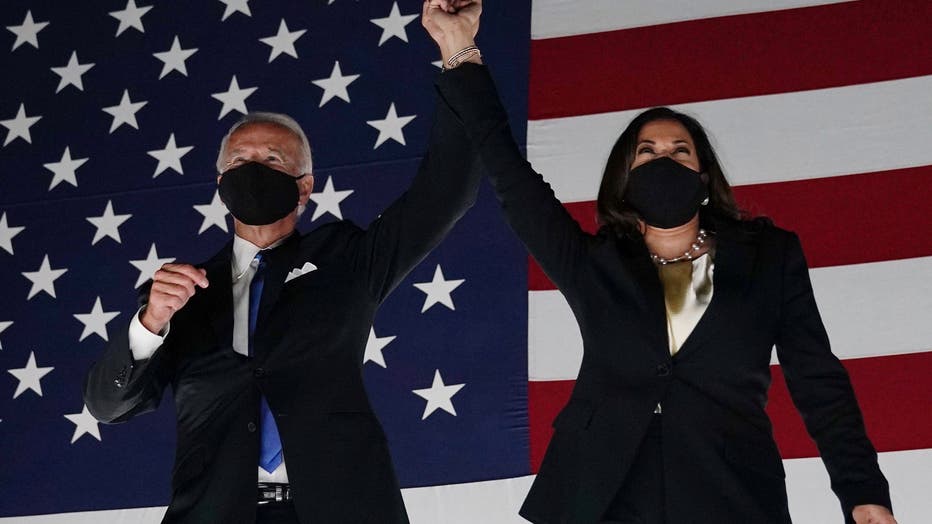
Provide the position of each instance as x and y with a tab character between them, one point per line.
872	514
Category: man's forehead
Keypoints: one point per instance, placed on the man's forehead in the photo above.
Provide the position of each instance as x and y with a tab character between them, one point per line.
263	134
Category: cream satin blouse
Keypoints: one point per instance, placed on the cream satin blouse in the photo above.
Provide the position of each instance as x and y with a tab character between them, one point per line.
687	291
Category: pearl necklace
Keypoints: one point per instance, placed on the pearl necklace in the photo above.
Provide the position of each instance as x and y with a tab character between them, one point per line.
688	255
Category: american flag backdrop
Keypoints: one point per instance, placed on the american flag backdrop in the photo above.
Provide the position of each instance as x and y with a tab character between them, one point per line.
112	112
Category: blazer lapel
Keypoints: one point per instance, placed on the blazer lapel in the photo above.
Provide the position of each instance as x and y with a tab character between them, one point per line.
649	293
735	253
281	261
220	295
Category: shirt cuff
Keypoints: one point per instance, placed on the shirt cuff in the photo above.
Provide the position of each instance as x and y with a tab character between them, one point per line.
142	342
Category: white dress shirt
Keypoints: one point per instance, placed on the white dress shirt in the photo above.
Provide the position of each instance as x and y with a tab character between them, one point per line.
143	343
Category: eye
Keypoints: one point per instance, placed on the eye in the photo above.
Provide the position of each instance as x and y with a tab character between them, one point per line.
645	150
682	150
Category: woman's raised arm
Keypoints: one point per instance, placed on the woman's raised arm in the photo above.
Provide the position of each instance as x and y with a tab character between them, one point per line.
551	235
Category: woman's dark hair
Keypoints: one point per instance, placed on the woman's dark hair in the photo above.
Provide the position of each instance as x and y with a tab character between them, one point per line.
616	214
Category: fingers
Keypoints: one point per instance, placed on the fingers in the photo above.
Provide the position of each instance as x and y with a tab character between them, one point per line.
169	280
178	280
428	22
452	24
872	514
447	5
167	298
172	286
425	13
471	12
450	6
196	275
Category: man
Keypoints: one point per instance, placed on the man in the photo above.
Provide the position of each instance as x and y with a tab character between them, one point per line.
264	353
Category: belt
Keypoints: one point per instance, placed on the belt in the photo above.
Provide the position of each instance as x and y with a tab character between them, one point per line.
273	493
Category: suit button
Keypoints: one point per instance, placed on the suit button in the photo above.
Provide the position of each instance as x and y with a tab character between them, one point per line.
259	372
251	427
663	370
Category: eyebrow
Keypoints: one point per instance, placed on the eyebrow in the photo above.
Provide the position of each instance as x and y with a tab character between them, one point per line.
272	149
681	141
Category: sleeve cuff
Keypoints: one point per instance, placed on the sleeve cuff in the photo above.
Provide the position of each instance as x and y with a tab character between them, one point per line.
470	93
870	492
142	342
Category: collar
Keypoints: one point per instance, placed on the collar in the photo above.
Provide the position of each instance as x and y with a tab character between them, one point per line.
245	251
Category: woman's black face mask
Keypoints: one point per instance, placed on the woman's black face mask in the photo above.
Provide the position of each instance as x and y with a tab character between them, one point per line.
665	193
257	194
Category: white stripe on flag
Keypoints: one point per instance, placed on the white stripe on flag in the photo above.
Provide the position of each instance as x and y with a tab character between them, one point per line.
812	502
494	501
773	138
553	18
869	310
123	516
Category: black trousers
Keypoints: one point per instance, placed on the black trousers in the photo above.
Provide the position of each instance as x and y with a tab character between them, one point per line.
276	513
640	500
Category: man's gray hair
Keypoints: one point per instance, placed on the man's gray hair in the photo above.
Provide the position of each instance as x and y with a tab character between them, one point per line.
306	164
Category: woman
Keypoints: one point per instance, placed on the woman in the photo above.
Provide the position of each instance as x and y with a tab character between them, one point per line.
679	301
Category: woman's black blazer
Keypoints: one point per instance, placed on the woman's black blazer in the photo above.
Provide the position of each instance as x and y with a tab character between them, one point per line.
720	460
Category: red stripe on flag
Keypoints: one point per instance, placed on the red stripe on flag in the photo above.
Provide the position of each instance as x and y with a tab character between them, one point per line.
727	57
842	220
544	401
893	392
851	219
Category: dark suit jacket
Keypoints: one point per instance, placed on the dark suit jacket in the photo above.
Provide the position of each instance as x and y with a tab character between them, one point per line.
720	460
310	338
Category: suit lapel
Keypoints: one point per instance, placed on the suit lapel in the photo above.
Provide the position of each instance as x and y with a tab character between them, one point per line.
281	261
734	263
649	293
220	295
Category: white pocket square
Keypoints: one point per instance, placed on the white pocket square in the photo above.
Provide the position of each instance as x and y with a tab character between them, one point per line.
299	271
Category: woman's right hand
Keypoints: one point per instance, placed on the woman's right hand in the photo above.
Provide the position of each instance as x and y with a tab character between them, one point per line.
452	24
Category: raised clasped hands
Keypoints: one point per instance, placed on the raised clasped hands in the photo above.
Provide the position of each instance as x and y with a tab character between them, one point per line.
872	514
452	24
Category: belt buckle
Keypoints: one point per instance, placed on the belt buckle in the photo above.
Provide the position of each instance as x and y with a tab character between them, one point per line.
273	493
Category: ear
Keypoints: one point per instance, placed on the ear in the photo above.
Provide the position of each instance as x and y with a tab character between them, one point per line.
305	186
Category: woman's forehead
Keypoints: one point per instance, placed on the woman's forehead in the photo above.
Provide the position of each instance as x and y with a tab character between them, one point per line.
665	130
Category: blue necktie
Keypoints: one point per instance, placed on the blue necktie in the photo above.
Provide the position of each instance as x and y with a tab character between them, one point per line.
270	445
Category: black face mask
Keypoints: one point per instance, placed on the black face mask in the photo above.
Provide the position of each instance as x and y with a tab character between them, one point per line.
257	194
665	193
